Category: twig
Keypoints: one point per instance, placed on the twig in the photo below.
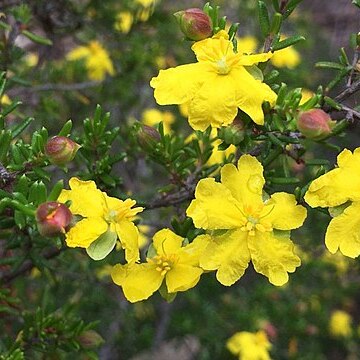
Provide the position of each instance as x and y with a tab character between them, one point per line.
28	265
354	62
348	91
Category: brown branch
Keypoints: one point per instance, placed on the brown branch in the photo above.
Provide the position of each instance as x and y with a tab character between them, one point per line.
28	265
348	91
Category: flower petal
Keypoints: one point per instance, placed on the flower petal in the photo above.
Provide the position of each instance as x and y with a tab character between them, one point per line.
182	277
86	199
214	103
178	85
128	235
138	281
283	212
248	60
191	253
251	93
245	182
343	232
166	242
85	232
273	256
339	185
214	207
229	255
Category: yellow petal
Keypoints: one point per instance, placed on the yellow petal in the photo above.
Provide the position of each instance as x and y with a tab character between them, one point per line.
214	206
128	235
191	253
213	48
273	256
283	212
339	185
138	281
78	53
182	277
214	104
245	182
86	199
178	85
85	232
248	60
343	232
251	93
166	242
229	255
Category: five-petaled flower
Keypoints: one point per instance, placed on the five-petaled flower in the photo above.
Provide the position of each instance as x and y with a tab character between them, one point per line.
340	189
243	226
173	263
101	216
216	86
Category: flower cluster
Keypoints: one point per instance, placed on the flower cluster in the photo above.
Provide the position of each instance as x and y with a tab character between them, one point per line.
339	190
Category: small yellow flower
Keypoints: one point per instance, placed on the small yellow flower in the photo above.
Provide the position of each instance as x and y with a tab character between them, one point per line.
31	59
101	215
97	60
5	100
305	95
340	324
124	21
250	346
247	44
216	86
176	265
152	117
340	187
288	57
243	226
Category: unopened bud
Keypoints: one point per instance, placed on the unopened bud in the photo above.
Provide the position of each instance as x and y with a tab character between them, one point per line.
53	218
60	150
90	339
148	137
315	124
194	23
233	134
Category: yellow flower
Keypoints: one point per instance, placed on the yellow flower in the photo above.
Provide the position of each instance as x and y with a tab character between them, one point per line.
243	226
250	346
5	100
97	60
124	21
146	10
340	324
152	117
340	186
31	59
176	265
247	44
305	96
288	57
103	219
216	86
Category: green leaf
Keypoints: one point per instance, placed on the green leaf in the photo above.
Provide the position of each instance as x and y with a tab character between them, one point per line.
102	247
276	23
264	18
17	130
255	72
338	210
356	3
56	190
169	297
329	65
290	41
36	38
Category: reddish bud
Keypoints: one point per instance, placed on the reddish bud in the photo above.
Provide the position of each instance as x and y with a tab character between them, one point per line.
53	218
60	150
194	23
90	339
148	137
315	124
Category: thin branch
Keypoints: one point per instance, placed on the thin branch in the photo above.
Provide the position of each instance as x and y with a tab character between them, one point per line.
28	265
348	91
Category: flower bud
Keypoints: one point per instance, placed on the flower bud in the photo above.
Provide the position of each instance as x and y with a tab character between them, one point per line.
194	23
60	150
53	218
233	134
315	124
90	339
148	137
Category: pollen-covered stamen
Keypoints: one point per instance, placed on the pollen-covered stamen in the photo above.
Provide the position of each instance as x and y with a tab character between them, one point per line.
164	263
222	67
254	224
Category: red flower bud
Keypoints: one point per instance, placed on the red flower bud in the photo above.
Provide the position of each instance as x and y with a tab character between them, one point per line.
194	23
315	124
60	150
90	339
148	137
53	218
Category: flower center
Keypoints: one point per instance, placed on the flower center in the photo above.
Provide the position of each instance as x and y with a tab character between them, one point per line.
112	216
252	224
164	263
222	67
